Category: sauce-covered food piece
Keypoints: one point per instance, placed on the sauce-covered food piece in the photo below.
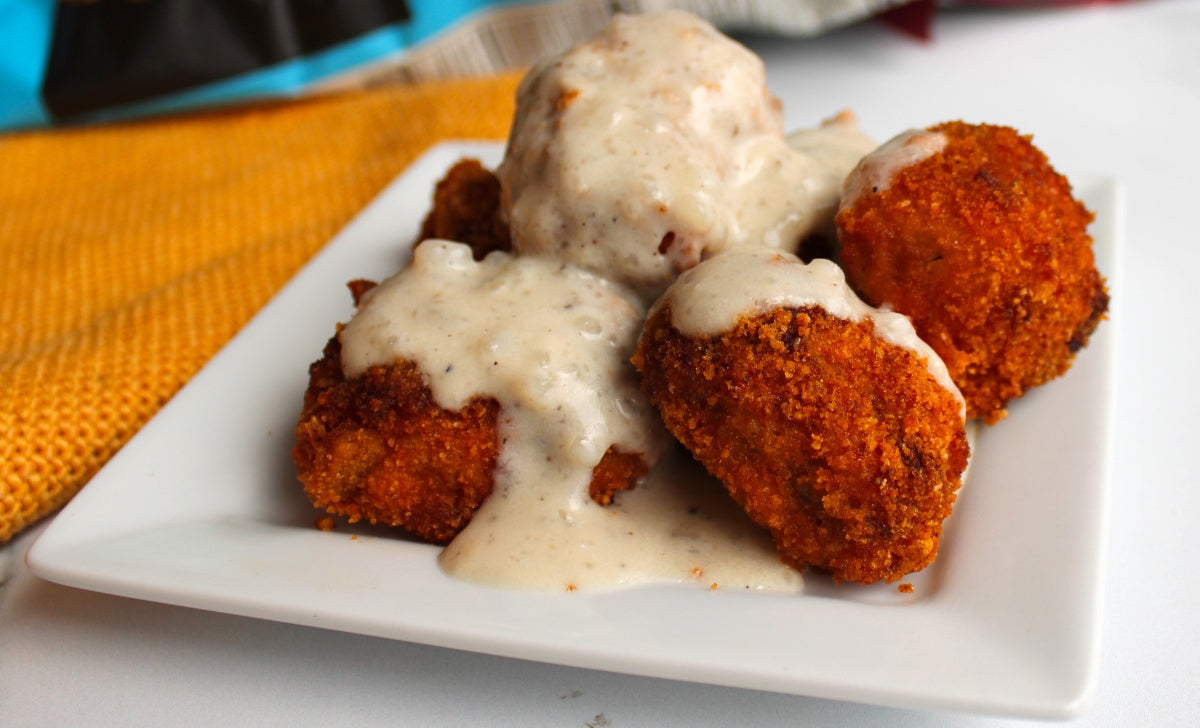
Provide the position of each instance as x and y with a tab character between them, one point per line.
968	230
831	423
458	375
657	144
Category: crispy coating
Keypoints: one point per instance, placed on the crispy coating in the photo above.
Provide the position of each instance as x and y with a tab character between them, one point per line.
466	209
842	445
378	448
985	248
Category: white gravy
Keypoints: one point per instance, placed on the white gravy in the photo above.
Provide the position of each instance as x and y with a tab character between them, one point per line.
551	343
657	144
710	298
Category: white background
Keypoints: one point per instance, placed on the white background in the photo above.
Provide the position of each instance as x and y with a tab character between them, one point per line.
1109	90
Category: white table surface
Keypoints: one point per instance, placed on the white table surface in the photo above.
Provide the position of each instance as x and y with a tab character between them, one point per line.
1105	89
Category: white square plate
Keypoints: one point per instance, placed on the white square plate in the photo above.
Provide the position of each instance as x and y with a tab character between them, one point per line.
202	509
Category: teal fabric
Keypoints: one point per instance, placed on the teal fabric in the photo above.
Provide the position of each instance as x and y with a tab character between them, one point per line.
25	31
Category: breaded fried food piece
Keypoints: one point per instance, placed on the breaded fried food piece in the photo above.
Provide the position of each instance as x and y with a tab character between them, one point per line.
466	209
831	424
838	443
968	230
377	447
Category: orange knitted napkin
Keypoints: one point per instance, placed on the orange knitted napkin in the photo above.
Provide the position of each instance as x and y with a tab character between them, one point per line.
129	254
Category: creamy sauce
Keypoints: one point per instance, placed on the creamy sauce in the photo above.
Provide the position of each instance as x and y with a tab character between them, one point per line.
875	171
655	145
836	146
551	343
709	299
677	526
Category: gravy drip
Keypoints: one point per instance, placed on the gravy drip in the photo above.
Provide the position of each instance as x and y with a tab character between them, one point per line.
835	146
708	300
657	144
551	343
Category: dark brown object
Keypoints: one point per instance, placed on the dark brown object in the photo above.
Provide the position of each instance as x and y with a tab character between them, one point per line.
466	209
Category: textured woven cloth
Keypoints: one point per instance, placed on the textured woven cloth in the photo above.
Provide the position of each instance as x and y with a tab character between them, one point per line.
129	254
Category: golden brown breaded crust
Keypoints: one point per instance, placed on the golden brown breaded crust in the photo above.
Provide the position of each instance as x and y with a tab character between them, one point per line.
843	446
378	448
466	209
985	248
